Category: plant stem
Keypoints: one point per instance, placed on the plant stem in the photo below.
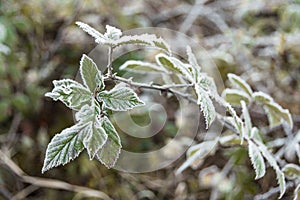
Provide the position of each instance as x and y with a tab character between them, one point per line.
109	62
163	88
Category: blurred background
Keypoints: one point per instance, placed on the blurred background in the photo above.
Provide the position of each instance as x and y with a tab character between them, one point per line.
39	42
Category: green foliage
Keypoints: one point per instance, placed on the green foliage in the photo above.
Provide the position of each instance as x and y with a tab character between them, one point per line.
94	131
119	99
257	160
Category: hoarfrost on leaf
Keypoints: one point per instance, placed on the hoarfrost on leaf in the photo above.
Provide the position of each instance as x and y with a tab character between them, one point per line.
276	114
110	151
196	69
197	152
112	32
234	96
273	163
257	160
120	99
175	65
141	67
238	82
99	37
90	74
71	93
63	148
206	105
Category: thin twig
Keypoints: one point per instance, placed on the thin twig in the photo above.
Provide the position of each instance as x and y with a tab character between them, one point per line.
12	132
273	191
49	183
162	88
25	192
109	62
6	194
147	85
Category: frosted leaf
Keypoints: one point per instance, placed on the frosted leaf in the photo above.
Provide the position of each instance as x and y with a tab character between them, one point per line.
247	119
230	140
206	105
99	37
95	138
234	96
240	83
120	99
141	67
173	64
281	181
255	134
110	151
196	69
144	39
273	163
262	97
113	37
276	114
94	134
238	124
257	160
63	148
208	84
197	152
71	93
291	171
90	74
112	32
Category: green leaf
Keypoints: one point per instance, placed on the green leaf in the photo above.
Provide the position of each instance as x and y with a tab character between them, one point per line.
281	181
240	83
276	114
196	69
238	124
247	119
112	37
291	171
175	65
141	67
94	135
196	154
255	134
262	97
234	96
120	99
206	105
208	84
257	160
112	32
71	93
110	151
90	74
273	163
230	140
99	38
143	39
95	138
63	148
